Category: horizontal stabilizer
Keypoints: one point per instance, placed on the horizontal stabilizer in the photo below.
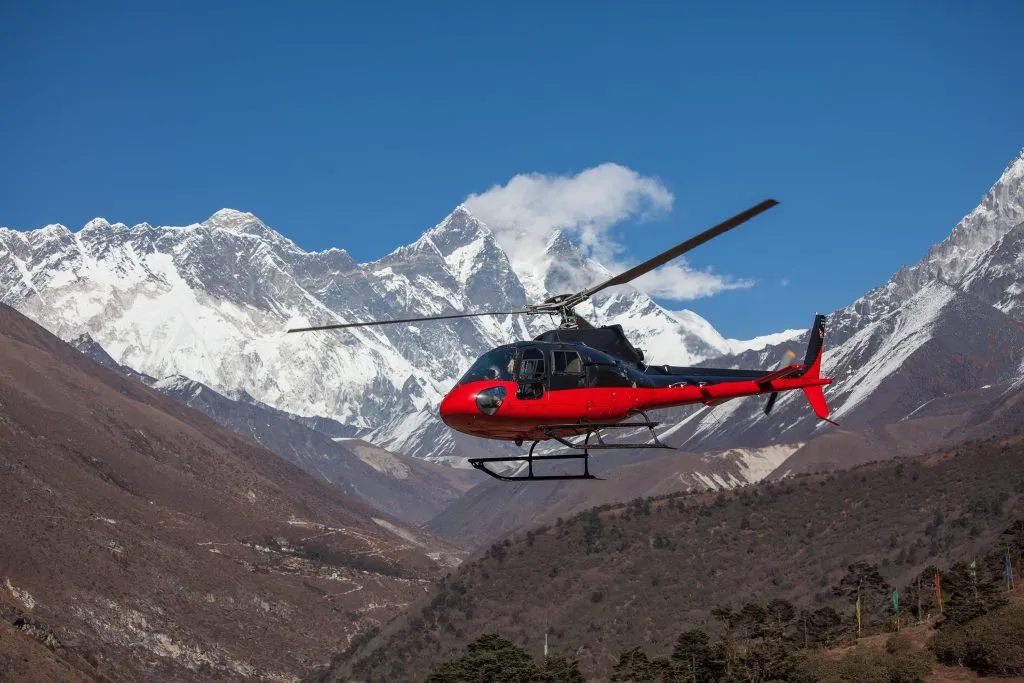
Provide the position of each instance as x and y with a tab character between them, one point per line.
816	397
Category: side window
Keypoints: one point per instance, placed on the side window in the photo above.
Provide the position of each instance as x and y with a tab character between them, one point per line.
567	363
532	366
612	376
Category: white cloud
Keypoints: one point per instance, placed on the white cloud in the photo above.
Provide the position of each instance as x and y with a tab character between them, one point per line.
526	210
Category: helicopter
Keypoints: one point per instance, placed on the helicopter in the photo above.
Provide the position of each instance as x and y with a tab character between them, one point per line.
578	380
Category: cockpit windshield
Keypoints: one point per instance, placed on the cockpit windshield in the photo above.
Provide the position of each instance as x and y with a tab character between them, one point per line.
496	365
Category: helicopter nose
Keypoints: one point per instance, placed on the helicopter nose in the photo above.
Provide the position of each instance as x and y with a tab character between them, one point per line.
457	410
463	406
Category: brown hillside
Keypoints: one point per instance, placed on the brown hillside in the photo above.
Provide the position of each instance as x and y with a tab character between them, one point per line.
611	579
153	544
496	509
957	417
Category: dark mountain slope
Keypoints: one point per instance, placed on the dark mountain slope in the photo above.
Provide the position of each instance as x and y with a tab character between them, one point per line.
639	574
952	419
411	489
163	546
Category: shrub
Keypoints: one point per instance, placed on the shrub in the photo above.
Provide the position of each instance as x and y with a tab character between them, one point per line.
900	662
990	645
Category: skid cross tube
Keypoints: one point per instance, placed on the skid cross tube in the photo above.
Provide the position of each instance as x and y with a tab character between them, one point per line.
595	428
590	429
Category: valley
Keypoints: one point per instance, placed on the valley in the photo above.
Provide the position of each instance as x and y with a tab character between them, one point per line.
197	494
639	573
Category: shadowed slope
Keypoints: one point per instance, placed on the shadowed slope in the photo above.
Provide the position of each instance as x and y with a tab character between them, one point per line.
165	546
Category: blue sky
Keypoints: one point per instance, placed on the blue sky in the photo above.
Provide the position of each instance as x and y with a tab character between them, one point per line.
877	125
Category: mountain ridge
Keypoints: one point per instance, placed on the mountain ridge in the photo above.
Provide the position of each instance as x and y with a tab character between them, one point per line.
228	287
869	342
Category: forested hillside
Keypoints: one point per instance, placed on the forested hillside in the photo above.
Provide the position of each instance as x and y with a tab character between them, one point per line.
618	577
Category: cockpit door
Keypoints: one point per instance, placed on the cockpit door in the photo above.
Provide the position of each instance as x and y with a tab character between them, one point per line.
531	374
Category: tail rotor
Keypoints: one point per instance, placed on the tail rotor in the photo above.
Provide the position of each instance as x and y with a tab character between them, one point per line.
787	359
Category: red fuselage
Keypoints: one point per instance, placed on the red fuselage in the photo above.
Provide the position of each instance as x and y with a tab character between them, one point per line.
532	391
519	419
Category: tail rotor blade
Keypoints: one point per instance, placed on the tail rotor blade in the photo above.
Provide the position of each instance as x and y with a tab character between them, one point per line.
787	359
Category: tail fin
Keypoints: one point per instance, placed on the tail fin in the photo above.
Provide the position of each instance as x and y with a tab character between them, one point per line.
812	363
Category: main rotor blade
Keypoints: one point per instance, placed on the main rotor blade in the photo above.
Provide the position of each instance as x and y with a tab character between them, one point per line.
680	249
406	320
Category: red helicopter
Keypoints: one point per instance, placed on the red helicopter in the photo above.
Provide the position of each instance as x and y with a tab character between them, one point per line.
579	380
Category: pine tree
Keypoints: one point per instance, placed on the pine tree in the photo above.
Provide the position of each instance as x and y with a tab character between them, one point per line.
694	657
863	580
489	658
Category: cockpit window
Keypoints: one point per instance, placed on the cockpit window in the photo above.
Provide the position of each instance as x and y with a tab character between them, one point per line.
494	365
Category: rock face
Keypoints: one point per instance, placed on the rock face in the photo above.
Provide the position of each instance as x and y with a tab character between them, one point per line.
143	541
211	302
952	322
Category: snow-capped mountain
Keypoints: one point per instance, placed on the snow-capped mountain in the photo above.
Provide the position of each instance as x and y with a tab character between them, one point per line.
211	301
954	321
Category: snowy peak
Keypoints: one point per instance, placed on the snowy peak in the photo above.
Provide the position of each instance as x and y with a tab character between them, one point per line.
247	225
949	261
472	256
1000	209
96	225
460	229
566	268
952	322
237	222
699	326
998	276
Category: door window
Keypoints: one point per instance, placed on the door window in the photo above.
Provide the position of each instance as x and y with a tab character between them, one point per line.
532	366
532	374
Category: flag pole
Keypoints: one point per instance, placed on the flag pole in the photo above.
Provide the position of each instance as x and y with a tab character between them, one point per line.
918	599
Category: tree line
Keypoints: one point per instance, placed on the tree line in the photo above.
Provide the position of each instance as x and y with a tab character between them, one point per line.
966	603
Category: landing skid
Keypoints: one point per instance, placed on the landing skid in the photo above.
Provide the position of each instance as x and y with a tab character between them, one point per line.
588	429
